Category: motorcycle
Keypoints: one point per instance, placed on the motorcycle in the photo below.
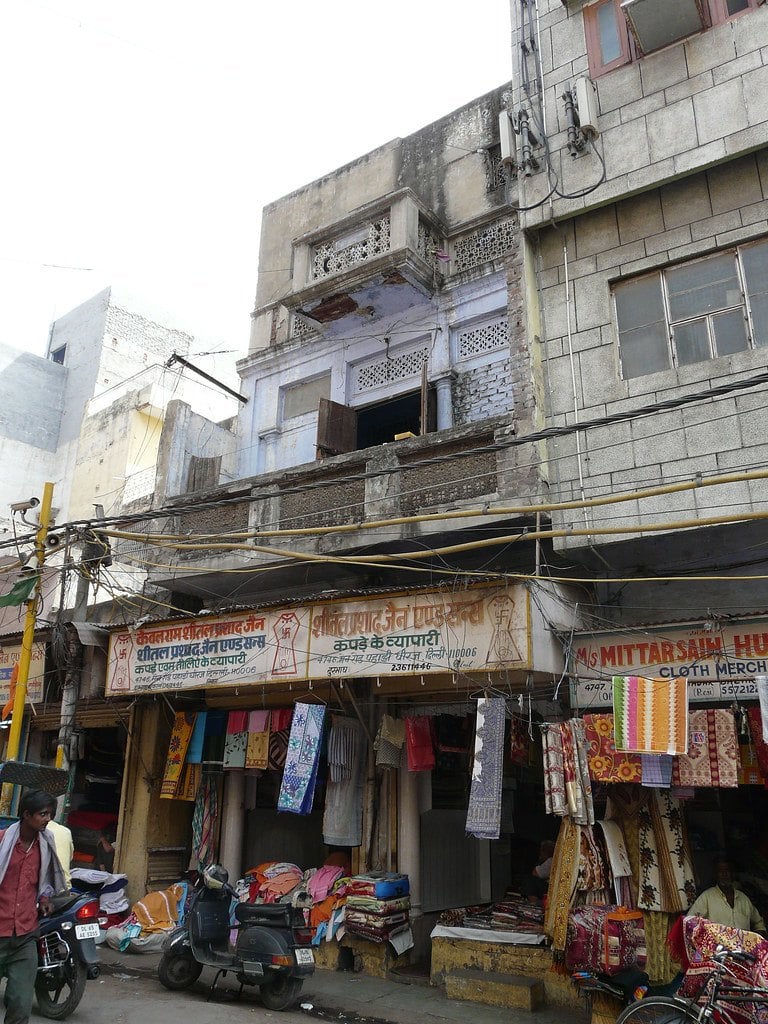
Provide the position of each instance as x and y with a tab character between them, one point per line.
271	950
67	954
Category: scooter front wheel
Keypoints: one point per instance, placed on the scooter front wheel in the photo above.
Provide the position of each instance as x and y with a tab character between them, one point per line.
178	971
280	993
60	990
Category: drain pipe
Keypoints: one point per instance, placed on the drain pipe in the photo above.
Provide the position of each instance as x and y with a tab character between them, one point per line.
577	433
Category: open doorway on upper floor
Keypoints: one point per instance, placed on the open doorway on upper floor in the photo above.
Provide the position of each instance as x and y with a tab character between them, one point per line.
340	428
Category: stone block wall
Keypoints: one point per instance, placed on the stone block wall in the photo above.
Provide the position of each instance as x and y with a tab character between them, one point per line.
706	212
682	109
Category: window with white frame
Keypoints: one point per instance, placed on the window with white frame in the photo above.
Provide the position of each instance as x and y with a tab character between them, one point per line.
694	311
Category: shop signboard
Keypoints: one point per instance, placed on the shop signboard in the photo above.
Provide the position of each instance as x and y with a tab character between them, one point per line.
9	657
478	629
719	661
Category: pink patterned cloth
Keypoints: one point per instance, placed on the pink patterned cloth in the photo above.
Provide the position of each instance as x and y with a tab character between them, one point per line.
713	751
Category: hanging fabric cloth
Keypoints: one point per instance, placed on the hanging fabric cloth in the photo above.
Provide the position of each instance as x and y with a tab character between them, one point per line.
606	764
257	746
389	743
297	791
181	733
713	751
578	788
343	814
562	883
554	772
657	770
279	729
195	749
341	746
237	739
666	874
484	811
650	716
762	695
204	823
419	745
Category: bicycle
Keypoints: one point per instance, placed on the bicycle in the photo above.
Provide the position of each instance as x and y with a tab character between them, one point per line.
721	987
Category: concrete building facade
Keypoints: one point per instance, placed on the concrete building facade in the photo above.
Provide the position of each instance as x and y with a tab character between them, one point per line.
646	236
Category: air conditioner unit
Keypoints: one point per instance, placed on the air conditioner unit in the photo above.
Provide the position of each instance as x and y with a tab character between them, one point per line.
657	23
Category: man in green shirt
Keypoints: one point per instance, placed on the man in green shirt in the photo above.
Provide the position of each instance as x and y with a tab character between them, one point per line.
723	903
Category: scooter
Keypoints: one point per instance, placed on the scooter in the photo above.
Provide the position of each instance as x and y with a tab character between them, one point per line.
271	951
67	954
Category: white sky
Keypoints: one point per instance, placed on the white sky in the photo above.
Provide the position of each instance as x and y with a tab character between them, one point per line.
143	137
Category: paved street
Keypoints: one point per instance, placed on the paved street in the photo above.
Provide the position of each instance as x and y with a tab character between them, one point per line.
135	996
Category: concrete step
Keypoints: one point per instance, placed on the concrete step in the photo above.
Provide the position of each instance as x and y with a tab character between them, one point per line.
495	989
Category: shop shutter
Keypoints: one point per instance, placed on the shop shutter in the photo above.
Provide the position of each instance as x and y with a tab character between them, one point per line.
455	869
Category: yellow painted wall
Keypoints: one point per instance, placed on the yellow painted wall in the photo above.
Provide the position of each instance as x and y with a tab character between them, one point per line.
146	821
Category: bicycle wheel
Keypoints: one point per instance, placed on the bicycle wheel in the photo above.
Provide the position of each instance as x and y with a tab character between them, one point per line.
658	1010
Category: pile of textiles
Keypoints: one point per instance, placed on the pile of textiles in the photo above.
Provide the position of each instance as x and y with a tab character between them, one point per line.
273	882
515	913
110	890
476	917
378	906
518	914
151	918
321	892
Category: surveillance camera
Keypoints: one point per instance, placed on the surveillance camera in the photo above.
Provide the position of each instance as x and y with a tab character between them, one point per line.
24	506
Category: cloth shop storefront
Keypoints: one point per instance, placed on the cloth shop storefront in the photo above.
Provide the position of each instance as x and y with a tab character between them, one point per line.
661	772
377	698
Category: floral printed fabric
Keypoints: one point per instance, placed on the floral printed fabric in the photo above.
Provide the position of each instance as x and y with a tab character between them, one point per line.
181	734
297	791
713	751
606	764
666	873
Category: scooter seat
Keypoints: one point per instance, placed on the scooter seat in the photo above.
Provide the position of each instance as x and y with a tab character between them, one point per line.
271	915
65	900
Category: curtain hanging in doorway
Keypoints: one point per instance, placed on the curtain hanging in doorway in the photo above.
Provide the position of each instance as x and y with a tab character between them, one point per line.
484	811
297	791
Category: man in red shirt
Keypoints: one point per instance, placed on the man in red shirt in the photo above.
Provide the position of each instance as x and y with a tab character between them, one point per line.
30	873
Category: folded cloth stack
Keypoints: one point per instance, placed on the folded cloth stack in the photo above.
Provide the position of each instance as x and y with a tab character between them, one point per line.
518	914
377	906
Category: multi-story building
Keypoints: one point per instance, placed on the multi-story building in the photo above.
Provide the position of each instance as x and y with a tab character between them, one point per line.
646	238
88	417
376	534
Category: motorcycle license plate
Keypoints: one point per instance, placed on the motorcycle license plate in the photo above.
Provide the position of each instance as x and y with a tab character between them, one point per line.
87	931
304	956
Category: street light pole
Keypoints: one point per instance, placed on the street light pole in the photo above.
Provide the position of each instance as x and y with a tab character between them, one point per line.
20	697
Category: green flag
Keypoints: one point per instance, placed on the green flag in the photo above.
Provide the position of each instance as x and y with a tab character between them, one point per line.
19	592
